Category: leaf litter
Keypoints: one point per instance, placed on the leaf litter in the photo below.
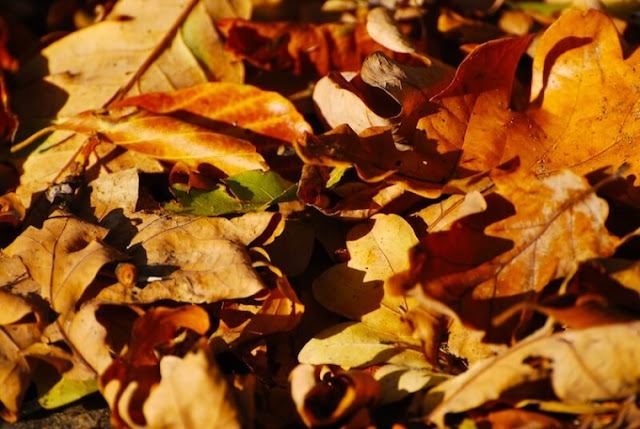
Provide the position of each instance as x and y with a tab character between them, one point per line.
241	213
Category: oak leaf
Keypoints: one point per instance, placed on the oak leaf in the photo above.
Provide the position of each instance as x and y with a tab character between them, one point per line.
576	77
579	364
491	260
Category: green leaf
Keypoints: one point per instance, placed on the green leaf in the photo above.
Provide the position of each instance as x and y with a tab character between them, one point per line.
532	6
67	390
249	191
335	175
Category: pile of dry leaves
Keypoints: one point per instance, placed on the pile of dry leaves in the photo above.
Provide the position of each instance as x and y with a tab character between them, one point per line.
350	213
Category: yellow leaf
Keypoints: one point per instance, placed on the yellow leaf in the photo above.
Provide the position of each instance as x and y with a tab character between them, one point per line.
355	290
354	344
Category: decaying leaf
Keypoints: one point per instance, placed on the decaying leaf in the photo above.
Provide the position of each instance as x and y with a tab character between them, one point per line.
131	51
130	379
583	365
63	257
325	397
297	47
192	391
196	259
17	333
514	248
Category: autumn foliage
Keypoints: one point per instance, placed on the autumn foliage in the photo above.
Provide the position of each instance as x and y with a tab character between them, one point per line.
332	214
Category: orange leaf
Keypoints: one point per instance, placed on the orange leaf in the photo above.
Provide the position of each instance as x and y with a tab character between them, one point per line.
187	126
298	46
533	231
229	107
140	364
584	93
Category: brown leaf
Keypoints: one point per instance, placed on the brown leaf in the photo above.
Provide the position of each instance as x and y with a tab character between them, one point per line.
20	327
132	51
128	381
63	257
324	397
579	364
299	46
280	311
376	158
196	259
534	231
192	390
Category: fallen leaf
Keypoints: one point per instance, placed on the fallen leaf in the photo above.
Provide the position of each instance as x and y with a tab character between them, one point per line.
169	139
577	363
138	47
335	346
508	253
280	311
361	105
197	259
17	333
131	52
63	257
323	397
244	192
127	383
192	390
230	108
397	382
379	249
297	47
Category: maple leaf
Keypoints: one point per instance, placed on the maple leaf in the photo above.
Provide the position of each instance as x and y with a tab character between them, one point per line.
493	259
